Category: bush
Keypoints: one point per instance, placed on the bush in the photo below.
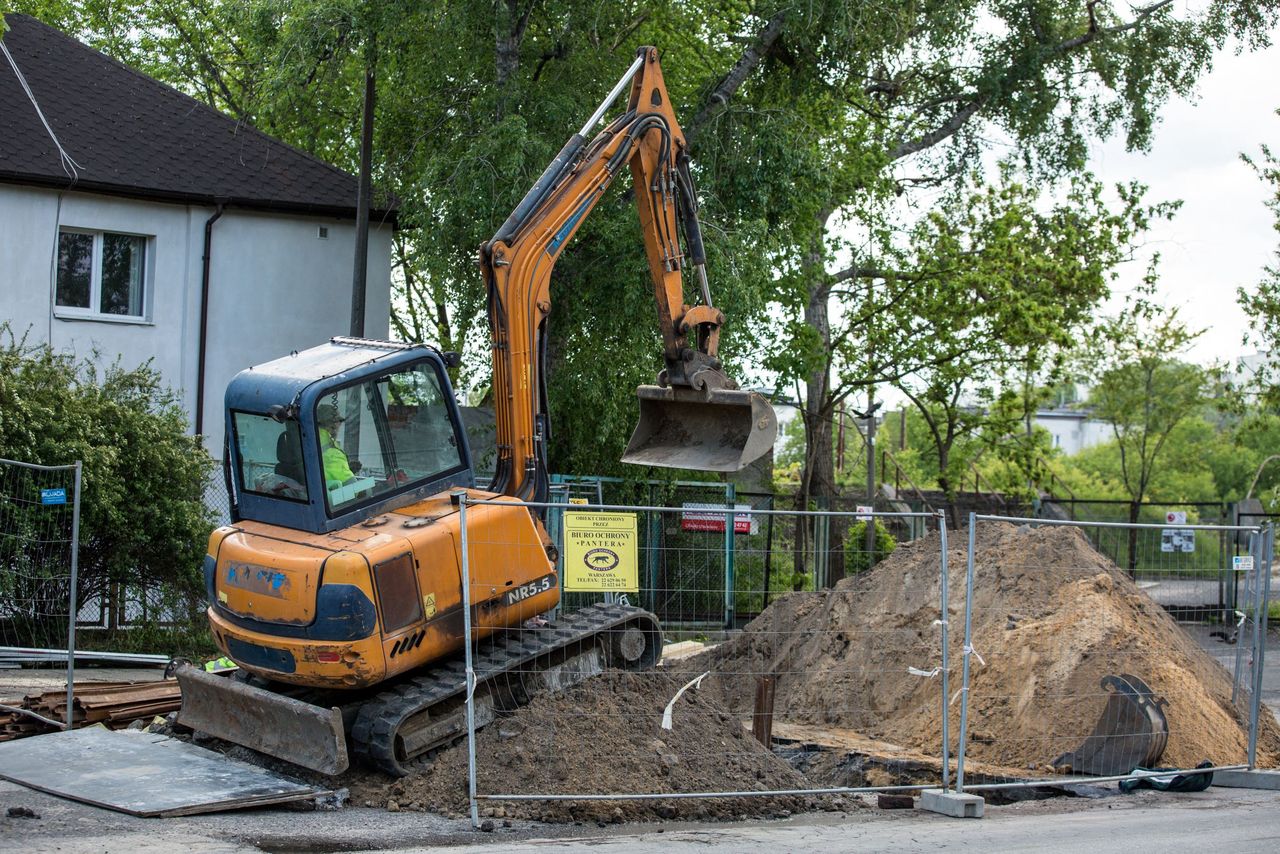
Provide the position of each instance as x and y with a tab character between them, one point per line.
856	558
143	521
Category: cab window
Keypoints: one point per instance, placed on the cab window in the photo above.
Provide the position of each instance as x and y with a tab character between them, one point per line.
270	454
386	434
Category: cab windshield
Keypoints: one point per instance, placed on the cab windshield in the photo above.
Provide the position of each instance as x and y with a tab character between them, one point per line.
386	434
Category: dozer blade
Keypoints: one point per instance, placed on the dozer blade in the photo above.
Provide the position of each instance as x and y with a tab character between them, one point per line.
718	430
1131	733
279	726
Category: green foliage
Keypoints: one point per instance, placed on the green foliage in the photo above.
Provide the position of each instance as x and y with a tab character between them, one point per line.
1183	472
142	517
1001	282
856	557
800	117
1263	303
190	639
1142	390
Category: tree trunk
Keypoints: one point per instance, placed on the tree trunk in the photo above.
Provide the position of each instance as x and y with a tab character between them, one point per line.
819	462
948	488
511	27
1134	508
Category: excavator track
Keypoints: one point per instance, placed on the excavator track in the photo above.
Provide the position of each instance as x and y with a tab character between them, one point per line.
425	712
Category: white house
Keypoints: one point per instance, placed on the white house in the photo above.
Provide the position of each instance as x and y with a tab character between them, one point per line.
168	231
1073	430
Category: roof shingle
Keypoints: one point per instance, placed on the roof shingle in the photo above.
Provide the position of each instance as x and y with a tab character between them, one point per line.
132	135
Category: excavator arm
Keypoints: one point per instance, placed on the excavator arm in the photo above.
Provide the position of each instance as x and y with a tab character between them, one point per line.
695	417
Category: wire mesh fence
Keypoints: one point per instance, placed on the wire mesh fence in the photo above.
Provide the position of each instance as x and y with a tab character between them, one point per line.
39	539
1069	667
793	707
1074	663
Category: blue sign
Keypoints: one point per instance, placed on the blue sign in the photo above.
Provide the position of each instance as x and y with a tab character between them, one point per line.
53	496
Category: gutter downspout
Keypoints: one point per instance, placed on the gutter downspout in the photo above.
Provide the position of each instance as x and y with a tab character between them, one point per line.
204	317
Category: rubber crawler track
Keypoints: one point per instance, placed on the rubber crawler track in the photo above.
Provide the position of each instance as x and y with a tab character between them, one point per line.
380	717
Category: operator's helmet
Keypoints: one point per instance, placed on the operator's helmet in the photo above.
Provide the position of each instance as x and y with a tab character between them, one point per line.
327	413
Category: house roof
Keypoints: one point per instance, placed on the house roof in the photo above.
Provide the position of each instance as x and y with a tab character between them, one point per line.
134	136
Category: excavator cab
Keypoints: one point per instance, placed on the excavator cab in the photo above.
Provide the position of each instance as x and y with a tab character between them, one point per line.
326	437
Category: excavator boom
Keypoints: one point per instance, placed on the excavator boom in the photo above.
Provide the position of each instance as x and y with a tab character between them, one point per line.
694	416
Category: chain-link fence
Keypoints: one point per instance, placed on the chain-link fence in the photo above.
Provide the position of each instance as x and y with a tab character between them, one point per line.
1079	666
39	548
761	721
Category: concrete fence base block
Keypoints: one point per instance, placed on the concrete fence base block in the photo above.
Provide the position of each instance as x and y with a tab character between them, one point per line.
1256	779
953	804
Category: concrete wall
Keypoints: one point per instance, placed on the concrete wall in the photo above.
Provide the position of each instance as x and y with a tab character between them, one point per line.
275	286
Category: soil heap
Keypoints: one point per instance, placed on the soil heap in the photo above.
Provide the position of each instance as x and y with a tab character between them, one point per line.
1051	617
603	736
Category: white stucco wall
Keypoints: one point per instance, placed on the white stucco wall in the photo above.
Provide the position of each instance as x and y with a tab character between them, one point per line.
1073	431
275	286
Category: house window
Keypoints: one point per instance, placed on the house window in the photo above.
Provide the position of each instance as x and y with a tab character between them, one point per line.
101	273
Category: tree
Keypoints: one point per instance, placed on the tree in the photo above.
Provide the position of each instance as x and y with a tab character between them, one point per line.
999	284
923	84
143	520
804	119
1143	390
1263	304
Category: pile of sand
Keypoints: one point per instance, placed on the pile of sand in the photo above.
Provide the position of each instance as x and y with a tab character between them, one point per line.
604	736
1052	617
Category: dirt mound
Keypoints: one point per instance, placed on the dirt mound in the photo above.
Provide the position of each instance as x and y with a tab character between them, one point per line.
604	736
1052	616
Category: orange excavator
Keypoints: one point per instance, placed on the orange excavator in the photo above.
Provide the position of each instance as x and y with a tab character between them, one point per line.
337	587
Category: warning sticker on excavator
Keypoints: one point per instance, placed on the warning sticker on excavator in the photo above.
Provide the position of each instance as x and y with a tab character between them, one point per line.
600	552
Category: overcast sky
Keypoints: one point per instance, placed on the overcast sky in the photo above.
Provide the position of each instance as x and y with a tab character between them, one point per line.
1223	236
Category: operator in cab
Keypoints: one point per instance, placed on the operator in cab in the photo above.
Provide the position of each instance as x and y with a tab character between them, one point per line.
338	469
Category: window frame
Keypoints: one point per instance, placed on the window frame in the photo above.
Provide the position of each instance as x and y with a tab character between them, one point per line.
94	310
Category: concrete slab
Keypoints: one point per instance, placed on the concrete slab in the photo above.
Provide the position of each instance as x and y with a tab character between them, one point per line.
1256	779
951	803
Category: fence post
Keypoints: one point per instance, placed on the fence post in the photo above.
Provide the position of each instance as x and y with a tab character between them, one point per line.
943	619
968	651
471	673
72	610
1260	640
731	497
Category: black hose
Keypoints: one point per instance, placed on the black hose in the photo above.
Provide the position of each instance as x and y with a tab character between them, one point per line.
692	229
542	188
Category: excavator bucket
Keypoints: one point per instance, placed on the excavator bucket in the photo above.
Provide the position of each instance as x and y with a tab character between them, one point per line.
1131	733
270	723
716	430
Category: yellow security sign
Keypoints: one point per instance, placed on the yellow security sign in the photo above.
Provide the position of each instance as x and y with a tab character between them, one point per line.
600	552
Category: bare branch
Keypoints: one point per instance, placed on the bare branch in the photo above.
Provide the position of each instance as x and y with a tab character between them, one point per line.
948	128
718	101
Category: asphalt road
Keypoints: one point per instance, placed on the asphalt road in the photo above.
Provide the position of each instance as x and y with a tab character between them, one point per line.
1234	820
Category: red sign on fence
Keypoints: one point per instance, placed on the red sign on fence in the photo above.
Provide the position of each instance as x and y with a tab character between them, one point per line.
710	517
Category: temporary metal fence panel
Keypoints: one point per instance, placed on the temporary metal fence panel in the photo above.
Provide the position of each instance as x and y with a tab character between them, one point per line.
1073	664
39	553
680	730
